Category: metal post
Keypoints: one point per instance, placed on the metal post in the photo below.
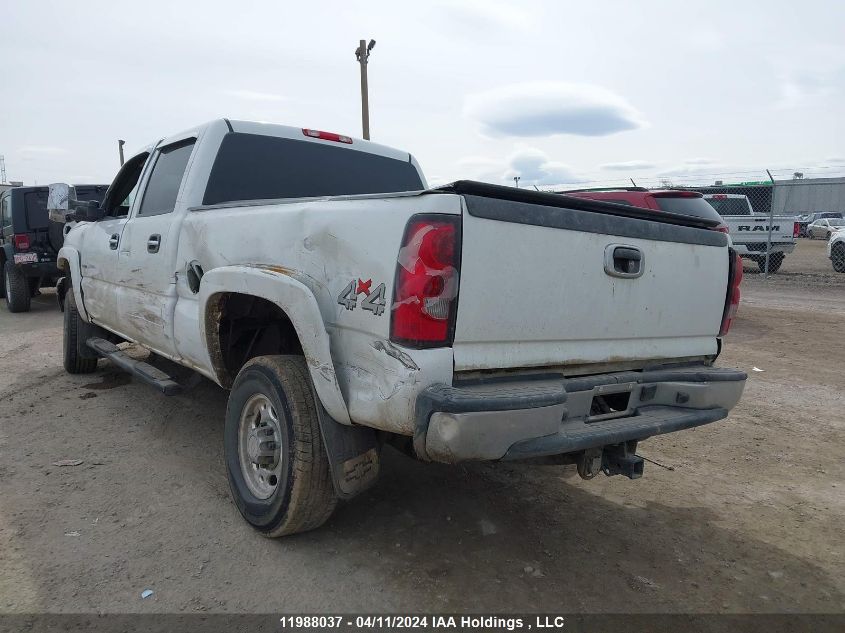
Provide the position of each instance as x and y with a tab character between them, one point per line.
516	180
771	221
362	53
120	144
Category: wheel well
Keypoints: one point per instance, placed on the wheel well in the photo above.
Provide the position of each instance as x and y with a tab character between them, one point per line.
239	327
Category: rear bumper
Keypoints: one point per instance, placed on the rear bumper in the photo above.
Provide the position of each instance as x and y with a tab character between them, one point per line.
552	416
759	249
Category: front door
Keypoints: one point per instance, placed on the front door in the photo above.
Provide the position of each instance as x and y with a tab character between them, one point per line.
101	241
147	256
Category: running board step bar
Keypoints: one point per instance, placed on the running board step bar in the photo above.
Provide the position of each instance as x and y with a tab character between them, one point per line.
144	371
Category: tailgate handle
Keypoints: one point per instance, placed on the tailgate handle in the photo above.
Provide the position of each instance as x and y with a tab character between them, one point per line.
623	261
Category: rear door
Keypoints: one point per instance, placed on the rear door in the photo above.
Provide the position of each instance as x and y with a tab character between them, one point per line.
544	286
146	262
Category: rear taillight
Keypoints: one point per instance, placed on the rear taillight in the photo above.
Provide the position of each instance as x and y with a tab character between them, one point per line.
425	296
796	230
21	241
732	298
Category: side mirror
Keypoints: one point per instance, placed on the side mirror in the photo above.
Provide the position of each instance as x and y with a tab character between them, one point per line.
88	211
62	205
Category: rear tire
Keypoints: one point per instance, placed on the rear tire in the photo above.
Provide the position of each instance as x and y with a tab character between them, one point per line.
775	260
837	257
276	462
73	361
17	288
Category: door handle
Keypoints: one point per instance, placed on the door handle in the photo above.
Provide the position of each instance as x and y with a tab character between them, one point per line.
153	243
621	260
114	240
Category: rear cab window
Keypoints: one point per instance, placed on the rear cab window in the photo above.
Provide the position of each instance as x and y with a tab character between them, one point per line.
730	206
257	167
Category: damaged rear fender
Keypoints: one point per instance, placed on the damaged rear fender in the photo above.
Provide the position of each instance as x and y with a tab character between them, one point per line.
296	300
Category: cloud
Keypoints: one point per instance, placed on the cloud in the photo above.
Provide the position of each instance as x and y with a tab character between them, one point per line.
699	161
251	95
628	165
545	108
534	168
532	165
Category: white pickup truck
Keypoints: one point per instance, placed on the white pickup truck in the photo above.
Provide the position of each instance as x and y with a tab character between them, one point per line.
346	306
749	231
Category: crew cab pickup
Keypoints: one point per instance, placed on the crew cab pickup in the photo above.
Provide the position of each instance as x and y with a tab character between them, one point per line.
749	231
346	306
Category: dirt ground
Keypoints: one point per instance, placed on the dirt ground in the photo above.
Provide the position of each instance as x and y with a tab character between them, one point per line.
745	515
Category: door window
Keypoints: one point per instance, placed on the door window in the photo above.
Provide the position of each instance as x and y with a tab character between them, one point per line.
163	185
121	192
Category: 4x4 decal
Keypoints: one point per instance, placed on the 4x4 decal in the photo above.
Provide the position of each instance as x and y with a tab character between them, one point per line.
374	302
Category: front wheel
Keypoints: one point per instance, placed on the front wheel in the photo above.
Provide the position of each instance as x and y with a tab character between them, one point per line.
837	257
74	361
276	462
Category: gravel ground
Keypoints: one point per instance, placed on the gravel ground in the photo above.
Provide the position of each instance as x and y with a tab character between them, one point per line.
745	515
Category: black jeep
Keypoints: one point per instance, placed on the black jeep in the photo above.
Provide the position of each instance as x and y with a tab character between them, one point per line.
30	242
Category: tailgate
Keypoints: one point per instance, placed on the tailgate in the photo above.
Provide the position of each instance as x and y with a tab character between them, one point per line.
584	282
752	229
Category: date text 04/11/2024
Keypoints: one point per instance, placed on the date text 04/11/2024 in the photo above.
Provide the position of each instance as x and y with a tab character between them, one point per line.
423	622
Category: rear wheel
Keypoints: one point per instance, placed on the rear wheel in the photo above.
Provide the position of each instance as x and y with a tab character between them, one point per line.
74	362
837	257
775	260
276	462
17	288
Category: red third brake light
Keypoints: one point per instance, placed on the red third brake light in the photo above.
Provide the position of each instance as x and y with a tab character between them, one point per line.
327	136
425	298
732	298
21	241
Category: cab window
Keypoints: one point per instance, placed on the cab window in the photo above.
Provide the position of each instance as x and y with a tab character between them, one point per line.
166	179
119	197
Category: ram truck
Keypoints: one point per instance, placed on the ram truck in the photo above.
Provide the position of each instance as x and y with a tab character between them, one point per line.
346	306
750	231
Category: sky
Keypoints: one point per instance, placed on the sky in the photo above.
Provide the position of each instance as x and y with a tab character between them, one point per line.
556	93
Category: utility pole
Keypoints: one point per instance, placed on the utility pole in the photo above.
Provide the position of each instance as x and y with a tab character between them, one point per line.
120	144
516	180
362	54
